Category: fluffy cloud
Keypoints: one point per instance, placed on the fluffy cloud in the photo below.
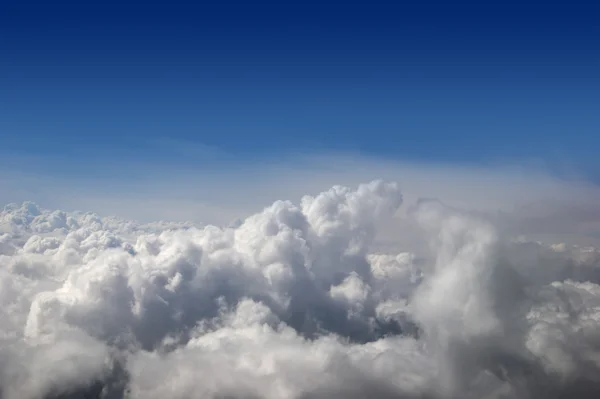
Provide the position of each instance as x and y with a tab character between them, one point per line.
292	302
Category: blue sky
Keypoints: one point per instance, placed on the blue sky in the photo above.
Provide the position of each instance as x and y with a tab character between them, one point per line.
425	81
116	90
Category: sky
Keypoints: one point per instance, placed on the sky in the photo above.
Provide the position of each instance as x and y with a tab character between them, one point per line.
297	200
112	94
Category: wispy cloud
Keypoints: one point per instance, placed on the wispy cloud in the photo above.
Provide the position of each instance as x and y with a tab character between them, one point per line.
218	189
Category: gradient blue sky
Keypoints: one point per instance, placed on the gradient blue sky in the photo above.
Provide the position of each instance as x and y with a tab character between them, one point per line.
88	84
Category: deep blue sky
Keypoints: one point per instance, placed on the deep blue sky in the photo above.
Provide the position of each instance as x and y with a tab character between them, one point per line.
422	81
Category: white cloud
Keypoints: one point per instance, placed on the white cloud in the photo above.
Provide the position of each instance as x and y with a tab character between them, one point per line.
296	301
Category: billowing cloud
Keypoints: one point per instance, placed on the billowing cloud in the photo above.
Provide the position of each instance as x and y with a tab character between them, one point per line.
295	301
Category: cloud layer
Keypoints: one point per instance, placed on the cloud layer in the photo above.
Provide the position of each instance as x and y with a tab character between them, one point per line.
293	302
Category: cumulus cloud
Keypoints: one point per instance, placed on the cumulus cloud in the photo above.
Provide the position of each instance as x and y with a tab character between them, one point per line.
294	301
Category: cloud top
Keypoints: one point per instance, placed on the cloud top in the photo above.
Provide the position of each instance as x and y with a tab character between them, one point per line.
293	302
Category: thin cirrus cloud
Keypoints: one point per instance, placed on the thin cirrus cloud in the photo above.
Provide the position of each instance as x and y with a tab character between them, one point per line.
206	185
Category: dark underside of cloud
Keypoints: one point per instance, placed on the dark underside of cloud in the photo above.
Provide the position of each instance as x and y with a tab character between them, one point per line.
294	303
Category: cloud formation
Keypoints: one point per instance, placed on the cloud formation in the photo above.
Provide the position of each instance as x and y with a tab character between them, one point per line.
293	302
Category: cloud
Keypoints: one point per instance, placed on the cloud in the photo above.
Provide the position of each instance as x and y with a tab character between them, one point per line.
523	198
296	301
